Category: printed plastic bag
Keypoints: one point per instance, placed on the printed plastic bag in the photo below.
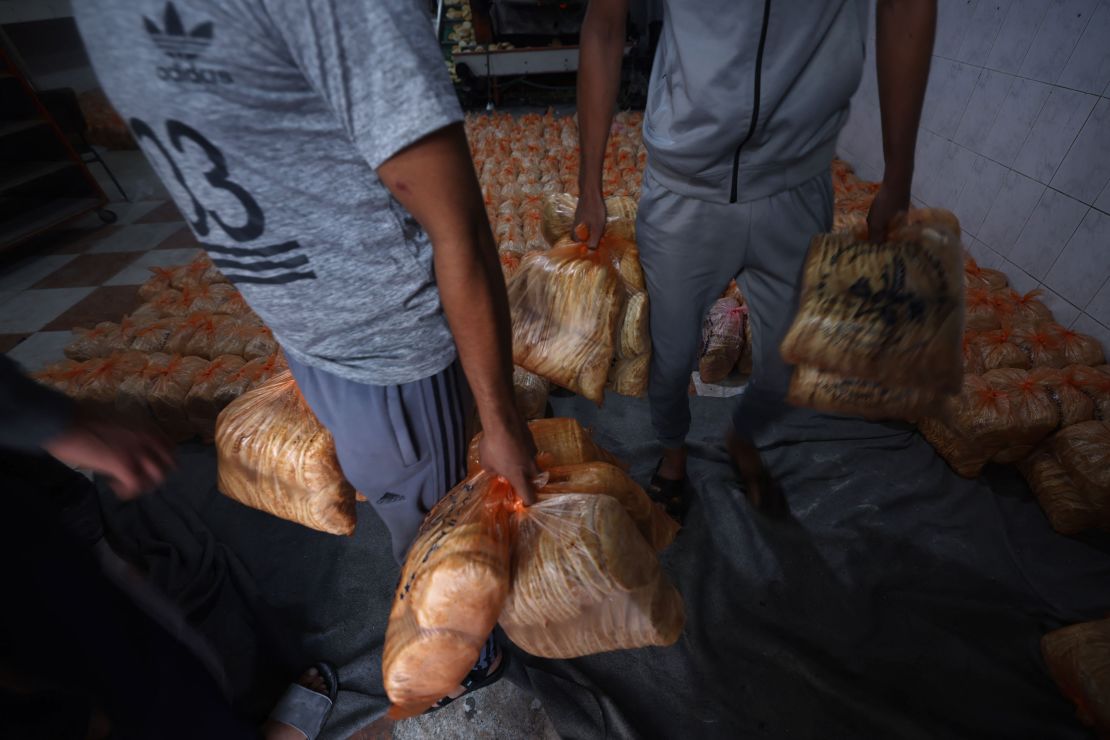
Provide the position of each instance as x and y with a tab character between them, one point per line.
559	210
452	589
1078	659
275	456
722	337
586	581
566	305
870	399
891	312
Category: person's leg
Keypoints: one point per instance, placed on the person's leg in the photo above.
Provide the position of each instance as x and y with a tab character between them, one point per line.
782	226
403	446
689	249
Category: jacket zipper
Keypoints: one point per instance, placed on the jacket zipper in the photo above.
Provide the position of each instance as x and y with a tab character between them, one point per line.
755	103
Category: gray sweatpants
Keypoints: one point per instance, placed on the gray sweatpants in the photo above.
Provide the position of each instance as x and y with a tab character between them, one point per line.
402	446
690	249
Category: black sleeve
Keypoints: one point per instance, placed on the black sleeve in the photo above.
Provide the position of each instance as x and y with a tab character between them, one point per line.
30	413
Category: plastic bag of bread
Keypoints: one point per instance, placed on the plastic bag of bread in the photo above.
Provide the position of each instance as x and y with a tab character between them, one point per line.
625	255
100	341
169	379
531	393
586	581
870	399
986	309
1078	659
153	336
64	377
210	394
559	441
973	353
1072	404
1035	415
558	216
1026	309
1095	384
629	375
604	478
1040	344
998	349
722	337
210	297
974	427
635	335
178	342
983	277
452	589
160	280
99	385
891	312
201	271
275	456
1078	349
566	306
1067	508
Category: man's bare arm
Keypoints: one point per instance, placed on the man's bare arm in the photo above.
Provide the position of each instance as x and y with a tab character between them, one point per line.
434	179
601	46
904	32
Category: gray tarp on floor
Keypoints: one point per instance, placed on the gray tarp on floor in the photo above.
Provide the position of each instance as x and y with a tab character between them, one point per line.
896	599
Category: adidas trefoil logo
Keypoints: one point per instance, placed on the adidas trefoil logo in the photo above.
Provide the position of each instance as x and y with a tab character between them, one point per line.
184	47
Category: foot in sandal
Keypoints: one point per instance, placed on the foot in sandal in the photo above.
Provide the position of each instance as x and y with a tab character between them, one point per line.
301	712
490	668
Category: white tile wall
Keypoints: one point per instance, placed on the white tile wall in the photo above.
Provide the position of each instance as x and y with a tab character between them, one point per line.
1015	140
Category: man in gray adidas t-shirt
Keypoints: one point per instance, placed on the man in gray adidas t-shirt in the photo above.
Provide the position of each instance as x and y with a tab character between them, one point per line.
316	149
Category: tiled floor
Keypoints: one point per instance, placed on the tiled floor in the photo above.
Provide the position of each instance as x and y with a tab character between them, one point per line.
82	274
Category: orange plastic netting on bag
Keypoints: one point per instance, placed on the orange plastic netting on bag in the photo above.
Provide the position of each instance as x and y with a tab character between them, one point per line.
1035	414
1025	309
1078	349
559	441
211	393
1040	344
169	379
452	589
1071	402
986	309
997	349
1078	659
722	339
273	455
891	312
201	271
566	305
586	581
102	377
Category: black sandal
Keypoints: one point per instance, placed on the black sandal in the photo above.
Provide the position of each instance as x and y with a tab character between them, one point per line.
672	494
476	679
304	709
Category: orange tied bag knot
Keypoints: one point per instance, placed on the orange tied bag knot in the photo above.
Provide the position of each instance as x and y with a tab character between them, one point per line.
168	380
160	280
558	213
987	309
1096	384
566	306
985	278
100	383
1078	659
153	336
1027	309
973	428
1073	404
1078	349
998	349
451	592
586	581
1035	414
210	393
1040	344
275	456
559	441
100	341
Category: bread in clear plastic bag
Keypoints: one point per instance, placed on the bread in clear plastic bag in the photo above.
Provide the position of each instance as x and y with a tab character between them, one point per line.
201	271
170	378
974	427
558	216
1072	404
983	277
1026	309
635	335
629	375
559	441
602	478
1096	384
1078	349
891	312
586	581
1066	507
1078	659
153	336
210	394
453	586
986	309
531	392
275	456
160	280
566	305
1040	344
722	337
1035	414
832	393
104	339
998	349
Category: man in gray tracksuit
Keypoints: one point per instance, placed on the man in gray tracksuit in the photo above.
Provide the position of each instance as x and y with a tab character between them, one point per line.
744	108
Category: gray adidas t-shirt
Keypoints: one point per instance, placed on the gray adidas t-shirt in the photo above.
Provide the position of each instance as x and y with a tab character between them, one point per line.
267	120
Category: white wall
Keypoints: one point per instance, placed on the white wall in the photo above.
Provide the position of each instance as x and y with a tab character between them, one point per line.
1015	139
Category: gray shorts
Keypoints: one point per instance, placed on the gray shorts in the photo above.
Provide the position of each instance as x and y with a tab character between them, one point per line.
402	446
